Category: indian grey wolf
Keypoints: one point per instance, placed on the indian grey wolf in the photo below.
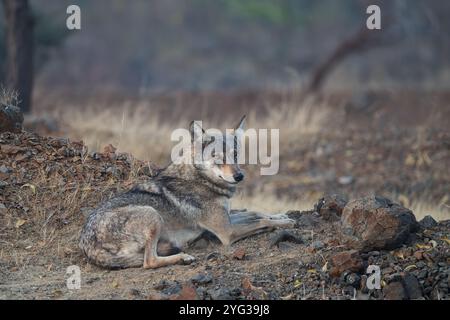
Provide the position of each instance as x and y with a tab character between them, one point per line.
152	223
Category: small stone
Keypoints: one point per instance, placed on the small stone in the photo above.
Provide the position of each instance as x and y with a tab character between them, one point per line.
188	292
221	294
239	254
201	278
134	293
317	245
213	256
330	207
347	260
418	255
394	291
353	280
4	169
412	287
345	180
428	222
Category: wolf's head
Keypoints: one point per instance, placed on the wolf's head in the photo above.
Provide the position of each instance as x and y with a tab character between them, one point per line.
216	154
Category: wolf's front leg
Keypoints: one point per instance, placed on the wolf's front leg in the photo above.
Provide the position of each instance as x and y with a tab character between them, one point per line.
234	227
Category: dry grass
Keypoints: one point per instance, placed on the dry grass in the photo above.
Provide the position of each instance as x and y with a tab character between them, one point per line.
137	129
422	208
8	97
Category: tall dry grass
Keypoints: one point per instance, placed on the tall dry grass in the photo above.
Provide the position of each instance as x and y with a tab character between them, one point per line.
137	129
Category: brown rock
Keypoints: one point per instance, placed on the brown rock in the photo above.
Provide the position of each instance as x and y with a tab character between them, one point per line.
239	254
346	260
377	223
187	292
418	255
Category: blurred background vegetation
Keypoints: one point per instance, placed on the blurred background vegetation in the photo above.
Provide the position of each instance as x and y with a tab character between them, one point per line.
144	46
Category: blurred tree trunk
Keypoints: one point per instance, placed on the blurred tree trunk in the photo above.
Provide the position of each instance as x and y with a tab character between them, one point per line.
19	50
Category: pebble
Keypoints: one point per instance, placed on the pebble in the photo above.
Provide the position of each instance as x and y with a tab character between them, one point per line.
202	278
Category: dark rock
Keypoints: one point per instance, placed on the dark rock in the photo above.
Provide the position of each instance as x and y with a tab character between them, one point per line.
428	222
201	278
221	294
317	245
353	279
330	207
212	256
394	291
412	286
377	223
402	287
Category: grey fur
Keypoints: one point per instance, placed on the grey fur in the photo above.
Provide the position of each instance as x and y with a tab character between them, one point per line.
143	227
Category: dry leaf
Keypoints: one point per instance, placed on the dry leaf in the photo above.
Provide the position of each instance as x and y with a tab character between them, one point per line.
20	222
31	186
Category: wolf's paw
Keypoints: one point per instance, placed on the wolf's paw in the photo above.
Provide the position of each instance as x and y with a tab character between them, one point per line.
186	258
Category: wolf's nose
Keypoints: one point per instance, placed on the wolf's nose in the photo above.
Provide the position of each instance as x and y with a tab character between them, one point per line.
238	176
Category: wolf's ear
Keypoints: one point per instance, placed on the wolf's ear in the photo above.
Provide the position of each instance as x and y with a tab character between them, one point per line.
196	130
241	124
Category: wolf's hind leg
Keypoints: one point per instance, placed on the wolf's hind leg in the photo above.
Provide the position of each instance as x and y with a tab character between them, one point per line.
151	258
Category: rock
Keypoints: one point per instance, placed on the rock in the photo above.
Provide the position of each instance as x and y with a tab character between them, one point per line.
346	260
353	279
239	254
11	118
282	236
330	207
377	223
418	255
212	256
345	180
428	222
412	286
4	169
221	294
187	292
403	287
134	293
201	278
394	291
317	245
